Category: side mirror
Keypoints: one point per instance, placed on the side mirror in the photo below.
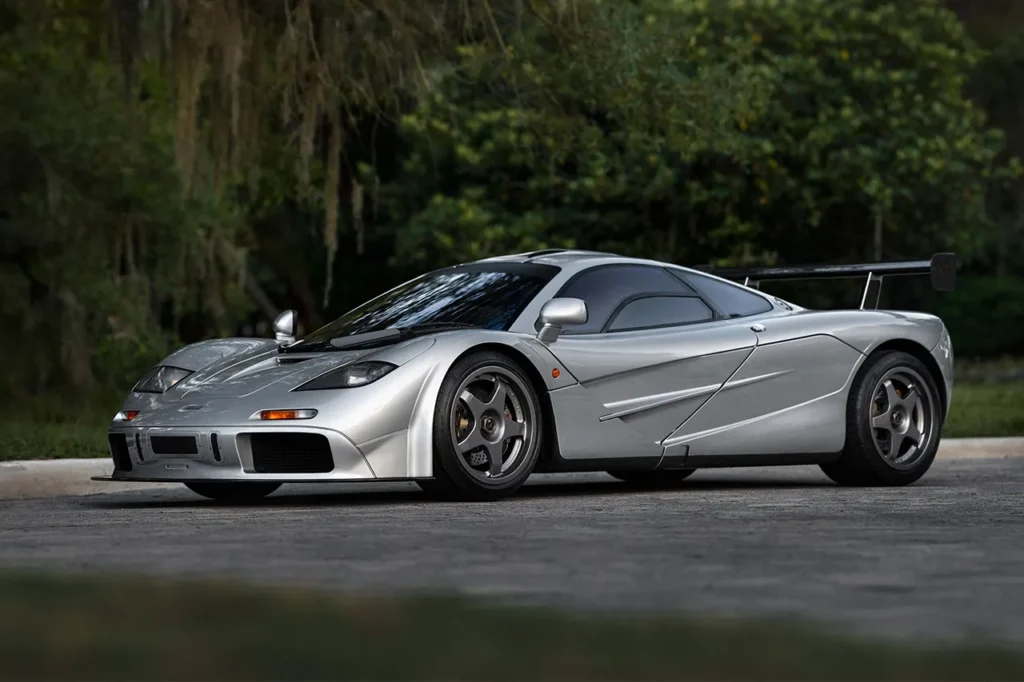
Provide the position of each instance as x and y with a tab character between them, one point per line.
559	312
284	327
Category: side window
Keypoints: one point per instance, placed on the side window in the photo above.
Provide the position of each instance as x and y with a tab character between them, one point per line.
604	288
732	300
661	311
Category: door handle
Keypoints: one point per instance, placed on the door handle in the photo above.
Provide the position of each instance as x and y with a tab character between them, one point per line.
757	327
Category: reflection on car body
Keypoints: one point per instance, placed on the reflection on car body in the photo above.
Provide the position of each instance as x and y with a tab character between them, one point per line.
469	379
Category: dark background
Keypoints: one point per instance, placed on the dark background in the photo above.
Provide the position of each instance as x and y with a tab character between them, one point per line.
175	171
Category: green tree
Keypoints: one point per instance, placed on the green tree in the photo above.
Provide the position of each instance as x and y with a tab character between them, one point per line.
831	120
98	239
493	167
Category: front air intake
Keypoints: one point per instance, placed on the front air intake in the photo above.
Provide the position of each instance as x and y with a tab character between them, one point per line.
174	445
291	453
119	451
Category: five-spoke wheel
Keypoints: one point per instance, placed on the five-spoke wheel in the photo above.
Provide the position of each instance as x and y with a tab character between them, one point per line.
487	429
901	417
490	420
893	421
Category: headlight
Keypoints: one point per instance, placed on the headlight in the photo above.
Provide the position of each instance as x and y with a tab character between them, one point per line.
350	376
161	379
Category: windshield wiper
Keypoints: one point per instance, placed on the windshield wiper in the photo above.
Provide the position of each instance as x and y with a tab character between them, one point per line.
437	326
354	340
396	333
380	336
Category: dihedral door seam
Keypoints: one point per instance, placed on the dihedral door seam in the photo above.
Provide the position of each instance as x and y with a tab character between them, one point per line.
710	397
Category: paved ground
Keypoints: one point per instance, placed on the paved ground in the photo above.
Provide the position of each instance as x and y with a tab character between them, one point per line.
944	557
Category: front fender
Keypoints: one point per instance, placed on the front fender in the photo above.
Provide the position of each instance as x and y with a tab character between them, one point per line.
196	357
448	350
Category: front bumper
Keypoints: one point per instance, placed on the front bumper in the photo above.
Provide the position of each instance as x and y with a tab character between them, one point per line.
252	453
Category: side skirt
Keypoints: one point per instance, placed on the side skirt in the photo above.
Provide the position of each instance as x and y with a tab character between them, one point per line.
725	461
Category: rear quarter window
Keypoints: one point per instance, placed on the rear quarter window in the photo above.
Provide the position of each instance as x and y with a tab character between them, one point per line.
660	311
731	300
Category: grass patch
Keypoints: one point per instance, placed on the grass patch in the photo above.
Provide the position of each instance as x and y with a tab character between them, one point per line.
989	409
101	628
54	428
33	440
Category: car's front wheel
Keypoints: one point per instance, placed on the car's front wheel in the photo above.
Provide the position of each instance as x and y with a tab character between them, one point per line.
487	429
894	417
233	492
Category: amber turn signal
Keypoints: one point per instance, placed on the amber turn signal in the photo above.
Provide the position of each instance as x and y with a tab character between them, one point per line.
273	415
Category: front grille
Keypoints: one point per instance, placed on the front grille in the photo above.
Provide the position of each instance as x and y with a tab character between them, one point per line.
119	451
291	453
173	445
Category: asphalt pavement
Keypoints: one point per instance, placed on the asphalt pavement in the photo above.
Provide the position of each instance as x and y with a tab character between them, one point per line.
942	558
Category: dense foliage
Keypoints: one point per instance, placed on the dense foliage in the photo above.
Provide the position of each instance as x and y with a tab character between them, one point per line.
862	137
179	169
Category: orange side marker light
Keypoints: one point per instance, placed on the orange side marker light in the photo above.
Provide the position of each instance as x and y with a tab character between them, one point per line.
273	415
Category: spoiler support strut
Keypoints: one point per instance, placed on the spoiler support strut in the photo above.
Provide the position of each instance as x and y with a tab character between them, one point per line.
941	267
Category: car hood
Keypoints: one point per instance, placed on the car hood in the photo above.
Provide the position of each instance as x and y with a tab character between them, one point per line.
238	368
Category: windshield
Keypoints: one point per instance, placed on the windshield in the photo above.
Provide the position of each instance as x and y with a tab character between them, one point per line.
484	296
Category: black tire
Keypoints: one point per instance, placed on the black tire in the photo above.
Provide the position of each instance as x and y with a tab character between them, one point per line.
656	479
877	419
459	473
233	492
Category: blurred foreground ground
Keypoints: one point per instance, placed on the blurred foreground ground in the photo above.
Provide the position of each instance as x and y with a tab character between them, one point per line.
132	629
941	558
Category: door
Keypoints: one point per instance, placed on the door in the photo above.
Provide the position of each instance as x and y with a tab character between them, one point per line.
788	398
651	352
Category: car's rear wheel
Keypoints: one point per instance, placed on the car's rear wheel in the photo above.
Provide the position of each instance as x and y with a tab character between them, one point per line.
233	492
487	429
894	418
653	478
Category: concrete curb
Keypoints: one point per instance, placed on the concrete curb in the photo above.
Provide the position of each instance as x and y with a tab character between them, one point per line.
981	448
58	477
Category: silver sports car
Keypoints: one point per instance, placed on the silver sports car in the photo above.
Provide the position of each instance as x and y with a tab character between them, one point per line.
468	379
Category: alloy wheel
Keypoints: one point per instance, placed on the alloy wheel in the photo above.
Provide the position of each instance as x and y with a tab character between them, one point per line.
492	423
902	416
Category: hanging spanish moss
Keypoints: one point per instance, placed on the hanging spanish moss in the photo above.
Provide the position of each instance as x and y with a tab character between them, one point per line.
313	67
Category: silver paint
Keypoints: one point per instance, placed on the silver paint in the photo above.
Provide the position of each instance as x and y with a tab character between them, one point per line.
284	327
557	313
712	389
753	413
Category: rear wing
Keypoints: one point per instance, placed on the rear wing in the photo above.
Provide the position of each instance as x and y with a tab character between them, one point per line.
941	267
